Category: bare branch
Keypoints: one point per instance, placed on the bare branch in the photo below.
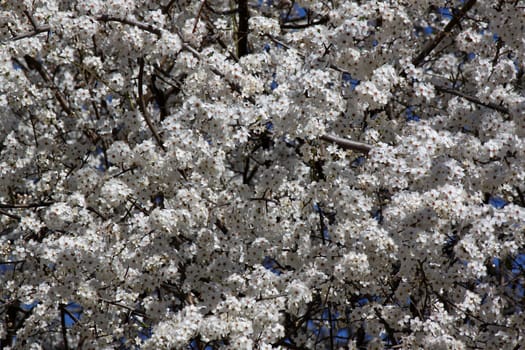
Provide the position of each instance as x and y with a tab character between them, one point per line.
347	144
283	44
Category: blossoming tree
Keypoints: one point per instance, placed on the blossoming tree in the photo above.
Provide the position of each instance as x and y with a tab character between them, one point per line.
257	175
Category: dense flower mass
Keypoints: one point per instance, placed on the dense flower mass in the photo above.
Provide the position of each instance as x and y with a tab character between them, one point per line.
208	174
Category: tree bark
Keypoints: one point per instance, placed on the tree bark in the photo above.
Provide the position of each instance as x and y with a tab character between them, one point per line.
242	32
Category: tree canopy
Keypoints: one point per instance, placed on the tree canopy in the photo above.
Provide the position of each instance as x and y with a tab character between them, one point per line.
262	175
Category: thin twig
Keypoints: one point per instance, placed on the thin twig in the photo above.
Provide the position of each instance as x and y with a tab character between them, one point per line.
148	28
472	99
322	20
142	106
97	213
31	34
70	314
144	26
199	14
286	46
388	328
12	262
132	310
36	29
302	55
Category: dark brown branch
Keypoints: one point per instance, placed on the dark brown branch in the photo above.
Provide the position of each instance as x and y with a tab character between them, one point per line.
34	64
286	46
418	60
12	262
167	8
12	216
245	171
499	45
144	26
62	308
138	206
30	34
70	314
25	206
221	226
31	19
242	32
331	329
91	209
472	99
160	96
347	144
142	105
217	37
199	14
322	20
